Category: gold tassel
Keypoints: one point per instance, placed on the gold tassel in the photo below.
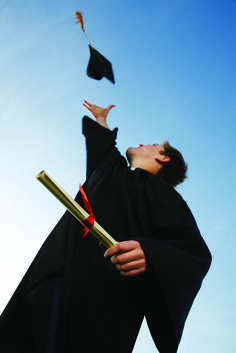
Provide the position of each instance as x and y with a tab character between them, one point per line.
78	15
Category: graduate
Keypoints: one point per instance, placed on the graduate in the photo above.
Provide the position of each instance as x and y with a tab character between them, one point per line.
78	297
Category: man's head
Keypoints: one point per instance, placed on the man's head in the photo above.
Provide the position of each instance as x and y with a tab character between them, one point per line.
162	160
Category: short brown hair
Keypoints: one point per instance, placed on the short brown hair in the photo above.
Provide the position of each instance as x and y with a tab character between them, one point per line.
173	172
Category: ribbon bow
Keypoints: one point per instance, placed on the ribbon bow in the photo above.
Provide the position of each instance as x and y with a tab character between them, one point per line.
89	221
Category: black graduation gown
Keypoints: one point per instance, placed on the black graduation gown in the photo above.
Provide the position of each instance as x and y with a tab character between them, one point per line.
74	300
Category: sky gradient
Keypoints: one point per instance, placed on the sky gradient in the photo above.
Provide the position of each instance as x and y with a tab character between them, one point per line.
174	66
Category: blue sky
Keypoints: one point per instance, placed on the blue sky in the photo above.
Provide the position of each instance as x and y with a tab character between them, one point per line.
174	66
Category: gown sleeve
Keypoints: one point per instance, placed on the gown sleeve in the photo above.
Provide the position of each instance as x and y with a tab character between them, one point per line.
179	260
100	144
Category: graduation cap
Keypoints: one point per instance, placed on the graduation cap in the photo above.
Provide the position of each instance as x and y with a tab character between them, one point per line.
98	66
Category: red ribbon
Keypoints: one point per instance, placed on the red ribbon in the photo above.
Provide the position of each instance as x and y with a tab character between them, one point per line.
89	221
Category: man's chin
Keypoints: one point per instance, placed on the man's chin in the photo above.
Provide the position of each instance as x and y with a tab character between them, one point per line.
130	153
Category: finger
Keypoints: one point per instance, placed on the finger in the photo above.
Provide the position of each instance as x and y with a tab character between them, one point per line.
110	107
102	246
132	273
113	250
113	260
130	256
87	107
122	247
86	102
141	265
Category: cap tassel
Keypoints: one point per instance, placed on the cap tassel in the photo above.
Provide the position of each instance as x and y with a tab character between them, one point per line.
79	17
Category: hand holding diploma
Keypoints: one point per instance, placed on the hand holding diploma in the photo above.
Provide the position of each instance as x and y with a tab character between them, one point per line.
129	258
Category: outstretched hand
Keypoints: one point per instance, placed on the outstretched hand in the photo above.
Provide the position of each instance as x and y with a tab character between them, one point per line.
128	256
99	113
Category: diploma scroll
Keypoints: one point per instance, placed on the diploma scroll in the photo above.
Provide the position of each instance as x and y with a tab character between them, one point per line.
74	208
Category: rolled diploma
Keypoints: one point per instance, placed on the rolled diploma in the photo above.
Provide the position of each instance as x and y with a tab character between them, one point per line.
74	208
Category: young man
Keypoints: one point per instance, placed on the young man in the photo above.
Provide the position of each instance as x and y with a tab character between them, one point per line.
129	256
73	299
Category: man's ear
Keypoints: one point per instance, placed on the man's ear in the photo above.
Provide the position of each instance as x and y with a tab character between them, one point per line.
162	158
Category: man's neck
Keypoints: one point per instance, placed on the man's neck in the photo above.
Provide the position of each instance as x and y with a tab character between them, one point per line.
154	169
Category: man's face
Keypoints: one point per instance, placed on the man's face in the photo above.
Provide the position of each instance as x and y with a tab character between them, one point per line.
145	152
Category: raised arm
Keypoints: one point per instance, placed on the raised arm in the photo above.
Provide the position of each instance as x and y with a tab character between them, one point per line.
99	113
100	140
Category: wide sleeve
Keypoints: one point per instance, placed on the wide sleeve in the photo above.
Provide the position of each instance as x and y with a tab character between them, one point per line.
178	262
100	143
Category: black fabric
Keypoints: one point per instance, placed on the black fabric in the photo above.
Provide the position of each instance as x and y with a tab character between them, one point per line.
99	66
98	309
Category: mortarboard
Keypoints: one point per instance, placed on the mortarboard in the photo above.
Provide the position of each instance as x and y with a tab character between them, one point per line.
98	66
